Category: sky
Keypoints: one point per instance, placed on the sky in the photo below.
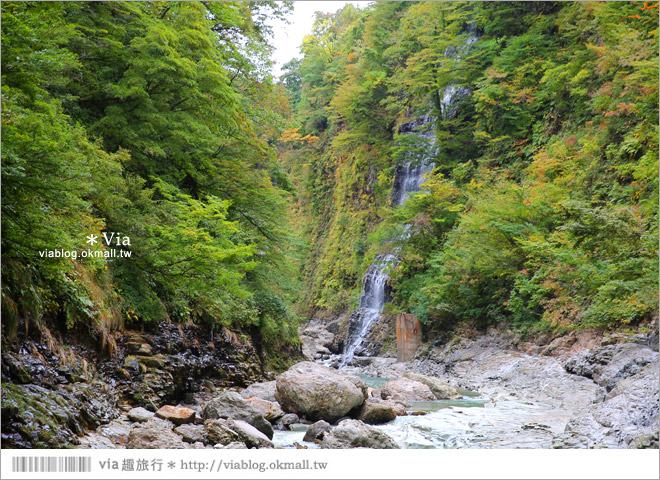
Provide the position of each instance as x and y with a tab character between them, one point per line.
288	37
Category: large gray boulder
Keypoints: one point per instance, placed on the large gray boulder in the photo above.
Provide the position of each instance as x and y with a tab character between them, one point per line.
441	390
230	404
265	390
319	393
356	434
405	389
155	433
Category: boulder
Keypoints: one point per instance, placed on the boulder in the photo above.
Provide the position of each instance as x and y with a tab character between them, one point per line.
265	390
252	437
405	389
191	433
230	404
376	412
357	434
271	411
317	431
155	433
139	414
319	393
176	415
441	390
217	432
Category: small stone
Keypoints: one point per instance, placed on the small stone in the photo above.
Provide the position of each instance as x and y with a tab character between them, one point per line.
231	446
217	432
177	415
288	419
316	431
154	361
155	434
139	414
191	433
252	437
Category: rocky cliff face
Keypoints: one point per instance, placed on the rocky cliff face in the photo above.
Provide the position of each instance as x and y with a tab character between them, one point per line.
55	390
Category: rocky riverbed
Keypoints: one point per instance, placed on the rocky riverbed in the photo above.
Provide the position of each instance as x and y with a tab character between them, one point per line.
476	390
582	390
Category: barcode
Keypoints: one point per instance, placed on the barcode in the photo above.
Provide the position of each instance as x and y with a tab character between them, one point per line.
51	464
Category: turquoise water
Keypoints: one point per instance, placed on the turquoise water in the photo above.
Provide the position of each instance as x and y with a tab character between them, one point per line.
410	432
373	382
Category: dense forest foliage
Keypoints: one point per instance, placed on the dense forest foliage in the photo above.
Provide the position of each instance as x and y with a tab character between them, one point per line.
542	208
153	121
248	201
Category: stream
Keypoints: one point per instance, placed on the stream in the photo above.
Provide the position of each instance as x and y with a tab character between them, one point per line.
472	421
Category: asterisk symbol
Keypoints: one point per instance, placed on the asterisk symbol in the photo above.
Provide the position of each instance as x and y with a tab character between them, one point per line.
92	239
171	465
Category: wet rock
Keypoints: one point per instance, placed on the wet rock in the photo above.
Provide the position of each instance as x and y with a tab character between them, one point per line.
154	361
139	414
177	415
318	392
441	390
357	434
287	420
230	404
265	390
252	437
271	411
153	434
406	389
17	370
40	416
139	348
191	433
376	412
218	432
132	363
317	431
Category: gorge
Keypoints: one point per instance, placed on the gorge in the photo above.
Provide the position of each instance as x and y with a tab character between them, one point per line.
489	169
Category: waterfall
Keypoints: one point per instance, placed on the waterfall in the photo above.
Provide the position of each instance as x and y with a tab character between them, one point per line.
408	178
372	301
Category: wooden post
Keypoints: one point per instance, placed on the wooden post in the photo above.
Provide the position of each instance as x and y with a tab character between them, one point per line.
408	336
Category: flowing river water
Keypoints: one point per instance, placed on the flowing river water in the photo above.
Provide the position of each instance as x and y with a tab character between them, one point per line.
472	421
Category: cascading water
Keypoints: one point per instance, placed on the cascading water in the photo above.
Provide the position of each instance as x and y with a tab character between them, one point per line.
372	301
409	177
